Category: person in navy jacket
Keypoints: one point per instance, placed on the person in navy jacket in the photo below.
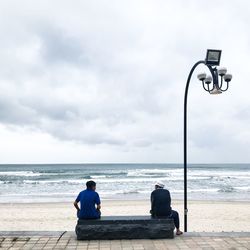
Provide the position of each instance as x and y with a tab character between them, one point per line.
161	205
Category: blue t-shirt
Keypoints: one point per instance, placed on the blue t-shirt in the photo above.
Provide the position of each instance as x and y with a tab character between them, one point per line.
88	199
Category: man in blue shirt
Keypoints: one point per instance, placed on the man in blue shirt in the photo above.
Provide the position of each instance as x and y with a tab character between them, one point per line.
90	202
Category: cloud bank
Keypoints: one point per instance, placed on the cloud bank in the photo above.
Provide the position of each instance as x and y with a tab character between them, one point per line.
103	81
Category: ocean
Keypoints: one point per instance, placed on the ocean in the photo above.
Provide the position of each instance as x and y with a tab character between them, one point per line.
62	182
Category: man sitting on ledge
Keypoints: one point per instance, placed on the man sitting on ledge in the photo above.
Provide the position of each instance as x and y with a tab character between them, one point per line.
90	202
161	205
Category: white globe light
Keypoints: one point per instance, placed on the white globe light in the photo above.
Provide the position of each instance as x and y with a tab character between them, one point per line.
228	77
208	80
202	76
222	71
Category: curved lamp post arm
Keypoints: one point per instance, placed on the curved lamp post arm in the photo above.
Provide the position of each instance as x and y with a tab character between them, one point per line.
185	142
215	84
190	76
212	60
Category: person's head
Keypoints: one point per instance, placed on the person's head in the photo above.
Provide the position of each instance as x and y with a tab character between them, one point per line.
91	185
159	185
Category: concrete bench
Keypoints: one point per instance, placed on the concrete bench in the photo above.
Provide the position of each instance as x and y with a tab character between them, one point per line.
125	227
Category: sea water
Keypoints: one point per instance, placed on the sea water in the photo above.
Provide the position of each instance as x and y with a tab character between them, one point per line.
62	182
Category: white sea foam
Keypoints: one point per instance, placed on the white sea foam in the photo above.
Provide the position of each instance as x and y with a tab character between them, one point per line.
243	188
204	190
98	176
46	182
219	173
42	194
148	172
19	173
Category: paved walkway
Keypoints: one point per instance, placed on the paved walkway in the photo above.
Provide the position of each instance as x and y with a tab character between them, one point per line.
66	240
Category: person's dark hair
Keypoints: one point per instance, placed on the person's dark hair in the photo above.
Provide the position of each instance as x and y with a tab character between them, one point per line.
90	184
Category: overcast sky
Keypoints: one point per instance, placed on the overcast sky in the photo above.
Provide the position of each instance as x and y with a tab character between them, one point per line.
103	81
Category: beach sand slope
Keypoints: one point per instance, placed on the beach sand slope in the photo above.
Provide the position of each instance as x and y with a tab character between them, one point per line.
205	216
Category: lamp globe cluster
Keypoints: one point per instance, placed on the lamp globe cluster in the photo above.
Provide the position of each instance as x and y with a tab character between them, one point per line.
218	81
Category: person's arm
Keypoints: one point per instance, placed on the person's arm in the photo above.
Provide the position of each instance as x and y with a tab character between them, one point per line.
152	202
169	198
76	203
98	202
76	206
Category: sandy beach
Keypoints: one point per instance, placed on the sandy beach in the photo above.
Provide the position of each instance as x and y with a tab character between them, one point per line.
205	216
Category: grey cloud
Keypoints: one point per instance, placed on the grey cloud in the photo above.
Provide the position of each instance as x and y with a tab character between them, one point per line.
12	112
84	134
52	109
142	143
58	47
209	137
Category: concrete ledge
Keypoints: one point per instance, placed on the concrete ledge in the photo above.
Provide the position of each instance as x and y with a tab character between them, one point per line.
125	227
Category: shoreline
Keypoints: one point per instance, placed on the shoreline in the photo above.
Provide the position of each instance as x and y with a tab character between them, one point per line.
129	200
207	216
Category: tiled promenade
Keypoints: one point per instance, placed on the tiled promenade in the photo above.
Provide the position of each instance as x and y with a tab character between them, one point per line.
66	240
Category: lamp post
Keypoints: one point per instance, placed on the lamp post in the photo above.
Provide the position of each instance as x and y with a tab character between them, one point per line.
218	79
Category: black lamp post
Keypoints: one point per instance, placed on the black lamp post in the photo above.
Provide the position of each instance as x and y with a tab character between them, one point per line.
217	79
